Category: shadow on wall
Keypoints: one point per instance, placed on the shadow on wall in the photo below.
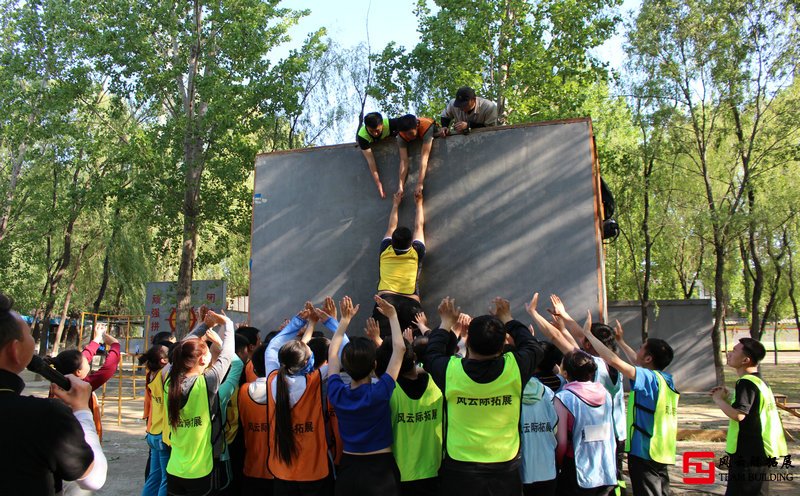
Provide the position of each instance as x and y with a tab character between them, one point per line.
509	211
686	325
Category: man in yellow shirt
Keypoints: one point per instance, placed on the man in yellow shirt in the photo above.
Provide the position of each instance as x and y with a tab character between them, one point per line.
401	254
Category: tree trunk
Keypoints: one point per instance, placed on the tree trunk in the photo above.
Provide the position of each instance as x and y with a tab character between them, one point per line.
70	290
756	329
193	152
107	262
791	283
719	311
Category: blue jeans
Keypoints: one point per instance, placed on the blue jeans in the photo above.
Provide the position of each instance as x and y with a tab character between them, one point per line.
156	483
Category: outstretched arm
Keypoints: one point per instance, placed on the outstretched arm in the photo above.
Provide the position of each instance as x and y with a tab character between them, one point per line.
398	345
619	334
419	222
425	154
403	166
555	336
609	356
347	310
396	199
373	169
560	311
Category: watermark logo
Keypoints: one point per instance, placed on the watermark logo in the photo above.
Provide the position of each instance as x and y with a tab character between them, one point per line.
704	470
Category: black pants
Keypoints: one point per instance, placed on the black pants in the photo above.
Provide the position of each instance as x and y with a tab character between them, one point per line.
407	310
178	486
323	487
480	479
256	486
541	488
648	478
421	487
568	482
368	475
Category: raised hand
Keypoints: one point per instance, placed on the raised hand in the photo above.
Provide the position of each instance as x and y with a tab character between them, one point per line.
501	309
720	393
531	307
384	307
558	307
329	307
587	326
448	312
312	312
408	334
306	312
347	309
619	333
373	331
422	322
212	319
462	325
397	197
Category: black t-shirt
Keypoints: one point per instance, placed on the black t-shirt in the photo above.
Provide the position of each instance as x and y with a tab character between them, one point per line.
748	400
40	440
414	388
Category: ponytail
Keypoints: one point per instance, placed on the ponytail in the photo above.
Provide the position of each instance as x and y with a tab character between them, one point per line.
184	358
292	357
67	362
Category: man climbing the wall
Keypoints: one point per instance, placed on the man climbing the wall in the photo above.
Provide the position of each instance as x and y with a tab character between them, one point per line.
401	256
468	111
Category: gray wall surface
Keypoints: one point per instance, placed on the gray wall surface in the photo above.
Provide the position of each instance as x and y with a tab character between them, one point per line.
686	326
508	211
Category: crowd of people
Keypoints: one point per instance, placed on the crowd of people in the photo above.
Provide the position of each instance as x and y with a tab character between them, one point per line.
474	406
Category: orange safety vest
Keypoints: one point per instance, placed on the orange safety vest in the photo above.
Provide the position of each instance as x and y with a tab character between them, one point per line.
311	462
249	372
423	124
253	416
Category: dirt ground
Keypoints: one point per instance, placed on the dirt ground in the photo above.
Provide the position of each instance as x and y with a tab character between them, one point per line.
702	428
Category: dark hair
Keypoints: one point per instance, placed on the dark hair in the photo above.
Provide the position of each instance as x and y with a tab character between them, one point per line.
160	336
10	330
661	352
269	336
358	358
67	362
185	357
551	356
407	122
373	120
753	349
251	333
401	238
486	335
292	356
259	367
580	366
384	353
605	334
241	342
319	347
420	346
153	356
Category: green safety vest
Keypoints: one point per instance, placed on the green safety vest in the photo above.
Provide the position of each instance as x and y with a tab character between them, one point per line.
663	439
192	454
417	429
483	419
771	426
362	132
